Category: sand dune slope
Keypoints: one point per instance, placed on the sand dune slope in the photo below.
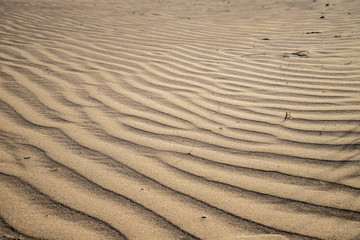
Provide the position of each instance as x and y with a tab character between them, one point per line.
179	119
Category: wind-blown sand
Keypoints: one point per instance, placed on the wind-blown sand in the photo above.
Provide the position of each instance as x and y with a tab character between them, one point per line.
206	119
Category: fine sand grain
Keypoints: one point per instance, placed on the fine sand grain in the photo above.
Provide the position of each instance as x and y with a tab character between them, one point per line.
180	119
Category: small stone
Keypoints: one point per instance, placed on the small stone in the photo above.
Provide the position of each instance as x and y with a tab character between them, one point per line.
203	216
266	39
322	17
326	5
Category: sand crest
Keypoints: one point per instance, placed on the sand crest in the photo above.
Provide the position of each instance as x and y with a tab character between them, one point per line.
204	119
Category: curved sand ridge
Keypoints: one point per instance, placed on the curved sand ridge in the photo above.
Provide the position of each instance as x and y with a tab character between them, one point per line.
179	119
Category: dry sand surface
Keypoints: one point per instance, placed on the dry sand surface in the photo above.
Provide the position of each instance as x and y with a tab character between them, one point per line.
180	119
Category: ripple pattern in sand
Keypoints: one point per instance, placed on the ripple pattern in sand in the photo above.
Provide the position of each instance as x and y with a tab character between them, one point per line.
179	119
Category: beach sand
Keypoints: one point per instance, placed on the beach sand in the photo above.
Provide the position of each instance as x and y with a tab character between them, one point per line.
177	119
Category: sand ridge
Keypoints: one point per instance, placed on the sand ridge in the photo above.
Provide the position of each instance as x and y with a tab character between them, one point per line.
179	119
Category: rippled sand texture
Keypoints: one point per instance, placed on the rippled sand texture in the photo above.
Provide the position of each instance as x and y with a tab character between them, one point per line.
204	119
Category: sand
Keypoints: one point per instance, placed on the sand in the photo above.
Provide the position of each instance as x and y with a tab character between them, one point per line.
179	119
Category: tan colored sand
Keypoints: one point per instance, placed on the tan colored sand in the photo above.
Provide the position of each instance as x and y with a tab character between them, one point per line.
204	119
